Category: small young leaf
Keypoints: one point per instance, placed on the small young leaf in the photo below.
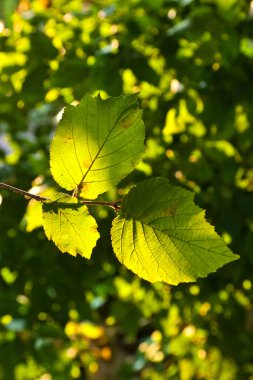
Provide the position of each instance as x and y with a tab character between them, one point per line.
161	235
97	143
69	225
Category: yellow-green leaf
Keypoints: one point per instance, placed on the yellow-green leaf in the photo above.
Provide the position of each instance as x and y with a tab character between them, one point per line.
161	235
97	143
69	225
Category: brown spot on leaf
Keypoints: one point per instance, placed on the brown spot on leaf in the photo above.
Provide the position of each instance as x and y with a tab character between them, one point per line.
125	123
67	139
83	188
129	120
87	164
171	211
93	228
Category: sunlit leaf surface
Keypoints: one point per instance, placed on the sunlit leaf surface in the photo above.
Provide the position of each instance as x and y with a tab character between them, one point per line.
70	225
97	143
161	235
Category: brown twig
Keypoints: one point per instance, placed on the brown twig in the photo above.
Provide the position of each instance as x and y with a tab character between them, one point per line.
22	192
114	205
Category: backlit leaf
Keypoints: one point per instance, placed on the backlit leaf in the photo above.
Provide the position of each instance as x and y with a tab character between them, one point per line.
97	143
69	225
161	235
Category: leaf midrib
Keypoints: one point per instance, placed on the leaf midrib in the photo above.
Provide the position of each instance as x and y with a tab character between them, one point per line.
100	149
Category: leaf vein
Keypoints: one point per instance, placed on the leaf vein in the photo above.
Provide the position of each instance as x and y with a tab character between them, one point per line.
100	149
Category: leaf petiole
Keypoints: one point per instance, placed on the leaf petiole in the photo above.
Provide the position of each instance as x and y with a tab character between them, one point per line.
114	205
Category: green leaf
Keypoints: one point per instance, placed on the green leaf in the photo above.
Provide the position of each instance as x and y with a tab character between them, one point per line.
97	143
69	225
161	235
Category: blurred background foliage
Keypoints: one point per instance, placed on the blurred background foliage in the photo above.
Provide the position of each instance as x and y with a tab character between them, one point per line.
192	63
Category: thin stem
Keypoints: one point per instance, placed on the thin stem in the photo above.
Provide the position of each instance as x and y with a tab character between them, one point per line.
22	192
114	205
